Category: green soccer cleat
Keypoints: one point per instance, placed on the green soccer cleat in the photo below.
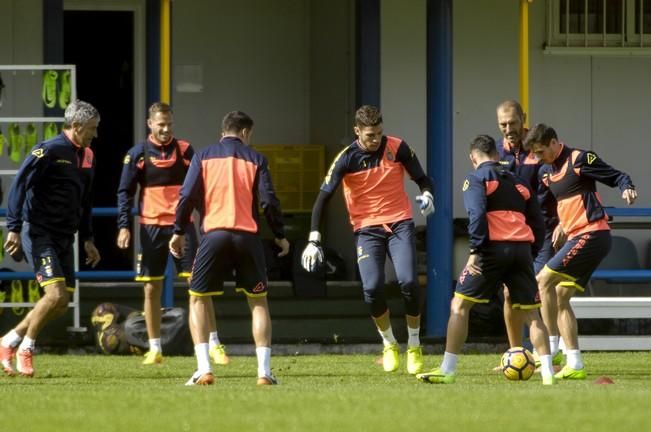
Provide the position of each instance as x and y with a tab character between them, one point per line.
557	360
153	357
415	360
437	377
64	93
49	91
549	380
390	358
218	355
567	373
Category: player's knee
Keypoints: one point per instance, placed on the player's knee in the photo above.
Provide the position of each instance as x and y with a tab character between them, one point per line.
57	300
460	307
411	296
377	303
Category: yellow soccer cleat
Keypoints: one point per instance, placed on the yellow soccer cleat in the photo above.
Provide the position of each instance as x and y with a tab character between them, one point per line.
153	357
390	358
549	380
219	356
415	360
437	377
567	373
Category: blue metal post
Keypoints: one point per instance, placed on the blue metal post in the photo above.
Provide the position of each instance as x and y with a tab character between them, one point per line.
439	164
368	53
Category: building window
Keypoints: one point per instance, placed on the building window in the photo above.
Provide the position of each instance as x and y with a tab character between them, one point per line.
599	23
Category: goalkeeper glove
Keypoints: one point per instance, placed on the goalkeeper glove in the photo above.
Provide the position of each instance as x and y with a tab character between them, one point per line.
312	254
426	203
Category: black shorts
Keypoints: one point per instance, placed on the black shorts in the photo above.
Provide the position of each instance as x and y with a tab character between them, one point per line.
52	256
220	253
507	263
155	252
579	257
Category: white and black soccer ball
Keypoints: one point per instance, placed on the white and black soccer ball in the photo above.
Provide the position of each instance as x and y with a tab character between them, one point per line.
518	364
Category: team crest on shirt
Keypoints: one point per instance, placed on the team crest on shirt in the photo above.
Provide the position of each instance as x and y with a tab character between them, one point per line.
38	153
466	185
390	155
127	159
591	157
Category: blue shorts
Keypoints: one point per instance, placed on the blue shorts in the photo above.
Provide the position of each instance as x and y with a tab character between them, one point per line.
155	252
374	243
579	257
220	253
508	263
545	253
52	256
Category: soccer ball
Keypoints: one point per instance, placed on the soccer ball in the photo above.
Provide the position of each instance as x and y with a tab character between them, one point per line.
112	340
518	364
103	316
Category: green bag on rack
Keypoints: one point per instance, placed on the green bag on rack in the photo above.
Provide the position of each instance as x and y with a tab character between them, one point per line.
3	140
30	138
16	143
49	92
50	130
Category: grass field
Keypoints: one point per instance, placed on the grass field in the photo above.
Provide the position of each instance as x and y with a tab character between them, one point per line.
319	393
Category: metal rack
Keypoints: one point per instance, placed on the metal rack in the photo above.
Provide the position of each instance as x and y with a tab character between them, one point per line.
76	327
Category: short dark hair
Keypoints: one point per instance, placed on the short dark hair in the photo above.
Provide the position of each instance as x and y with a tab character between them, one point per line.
159	107
512	104
539	134
236	121
368	115
484	144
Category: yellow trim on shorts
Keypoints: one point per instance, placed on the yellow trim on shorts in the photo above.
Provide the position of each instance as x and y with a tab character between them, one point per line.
526	307
572	284
252	295
185	274
471	299
51	281
149	278
206	294
563	275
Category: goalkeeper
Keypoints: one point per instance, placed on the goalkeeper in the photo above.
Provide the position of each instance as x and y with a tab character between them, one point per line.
372	170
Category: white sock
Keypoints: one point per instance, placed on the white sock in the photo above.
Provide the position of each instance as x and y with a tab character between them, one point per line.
574	359
546	367
203	359
264	361
449	363
561	344
213	339
387	336
414	337
27	343
11	339
553	344
154	345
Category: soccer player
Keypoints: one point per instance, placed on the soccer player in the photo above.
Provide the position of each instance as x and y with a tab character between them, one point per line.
50	200
228	181
510	121
506	230
571	176
372	170
158	165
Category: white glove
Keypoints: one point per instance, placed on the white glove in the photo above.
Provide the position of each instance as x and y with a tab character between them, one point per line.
426	203
312	254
